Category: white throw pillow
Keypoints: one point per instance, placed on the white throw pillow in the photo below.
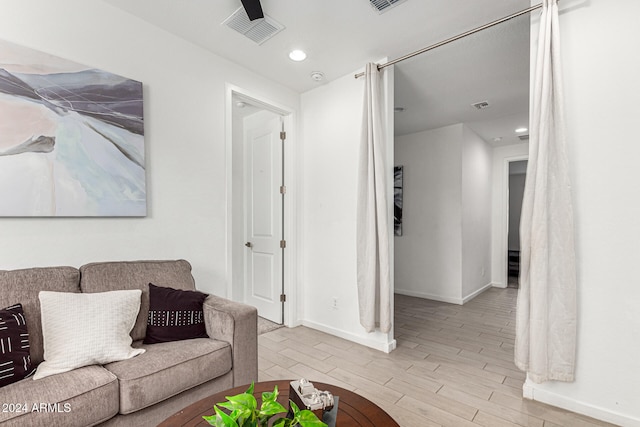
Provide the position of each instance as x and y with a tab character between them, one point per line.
86	329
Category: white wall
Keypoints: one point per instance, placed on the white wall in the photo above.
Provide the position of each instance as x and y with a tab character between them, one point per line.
476	214
601	69
444	252
331	127
429	255
499	200
184	89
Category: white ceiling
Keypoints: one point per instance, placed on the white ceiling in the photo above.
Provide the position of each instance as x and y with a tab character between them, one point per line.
340	36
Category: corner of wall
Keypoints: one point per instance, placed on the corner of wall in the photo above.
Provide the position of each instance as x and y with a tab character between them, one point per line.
474	294
376	340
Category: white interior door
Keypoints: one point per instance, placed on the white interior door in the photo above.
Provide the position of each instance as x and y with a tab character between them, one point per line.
264	254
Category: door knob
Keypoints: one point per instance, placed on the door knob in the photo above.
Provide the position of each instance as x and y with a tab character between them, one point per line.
249	244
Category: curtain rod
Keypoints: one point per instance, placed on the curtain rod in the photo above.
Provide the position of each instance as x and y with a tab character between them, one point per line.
452	39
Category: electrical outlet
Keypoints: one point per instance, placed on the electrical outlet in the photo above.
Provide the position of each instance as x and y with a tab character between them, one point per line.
334	303
482	272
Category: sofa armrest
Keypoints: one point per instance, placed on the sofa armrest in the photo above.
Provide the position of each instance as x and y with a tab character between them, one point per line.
237	324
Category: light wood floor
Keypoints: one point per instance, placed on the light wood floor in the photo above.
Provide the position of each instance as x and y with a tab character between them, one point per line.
453	365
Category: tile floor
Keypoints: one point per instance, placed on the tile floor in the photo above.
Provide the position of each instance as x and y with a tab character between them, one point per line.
453	365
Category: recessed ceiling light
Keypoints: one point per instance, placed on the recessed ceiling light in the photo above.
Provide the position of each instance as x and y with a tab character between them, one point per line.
497	139
520	130
297	55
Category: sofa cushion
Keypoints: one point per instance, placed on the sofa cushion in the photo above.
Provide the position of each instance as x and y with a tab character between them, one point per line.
82	397
166	369
23	286
109	276
15	362
86	329
174	315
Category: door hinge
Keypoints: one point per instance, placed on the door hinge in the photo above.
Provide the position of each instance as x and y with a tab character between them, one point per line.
283	244
283	189
283	135
283	298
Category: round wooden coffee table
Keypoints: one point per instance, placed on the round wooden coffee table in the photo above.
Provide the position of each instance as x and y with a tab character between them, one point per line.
353	410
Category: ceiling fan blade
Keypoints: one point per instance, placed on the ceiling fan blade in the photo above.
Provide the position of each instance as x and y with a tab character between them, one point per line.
253	9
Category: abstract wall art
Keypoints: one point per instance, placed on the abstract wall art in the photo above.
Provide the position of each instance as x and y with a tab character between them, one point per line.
71	138
398	176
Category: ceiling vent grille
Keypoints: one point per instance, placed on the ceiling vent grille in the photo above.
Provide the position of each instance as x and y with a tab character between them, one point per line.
523	137
259	30
384	5
481	105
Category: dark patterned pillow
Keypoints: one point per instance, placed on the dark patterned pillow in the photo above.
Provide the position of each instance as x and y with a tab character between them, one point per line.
15	362
174	315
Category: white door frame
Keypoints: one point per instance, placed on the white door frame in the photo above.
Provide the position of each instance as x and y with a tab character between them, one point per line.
504	271
290	211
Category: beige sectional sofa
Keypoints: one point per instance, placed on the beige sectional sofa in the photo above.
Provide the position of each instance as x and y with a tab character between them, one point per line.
145	389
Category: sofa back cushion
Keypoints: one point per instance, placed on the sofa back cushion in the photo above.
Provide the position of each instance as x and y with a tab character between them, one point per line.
122	275
23	286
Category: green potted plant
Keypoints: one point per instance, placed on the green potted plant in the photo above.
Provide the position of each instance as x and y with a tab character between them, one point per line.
244	412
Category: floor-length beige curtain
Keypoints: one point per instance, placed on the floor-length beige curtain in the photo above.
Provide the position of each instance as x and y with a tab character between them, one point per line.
374	288
546	309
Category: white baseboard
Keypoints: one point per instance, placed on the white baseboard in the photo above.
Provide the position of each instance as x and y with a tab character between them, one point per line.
433	297
450	300
387	347
498	285
529	391
476	293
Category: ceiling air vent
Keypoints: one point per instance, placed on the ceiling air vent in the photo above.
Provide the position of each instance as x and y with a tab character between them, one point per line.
384	5
523	137
259	30
481	105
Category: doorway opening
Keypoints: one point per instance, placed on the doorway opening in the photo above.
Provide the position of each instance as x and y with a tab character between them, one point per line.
517	177
461	106
260	233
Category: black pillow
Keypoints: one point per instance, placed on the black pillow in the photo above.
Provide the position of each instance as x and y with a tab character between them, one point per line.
15	362
174	315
